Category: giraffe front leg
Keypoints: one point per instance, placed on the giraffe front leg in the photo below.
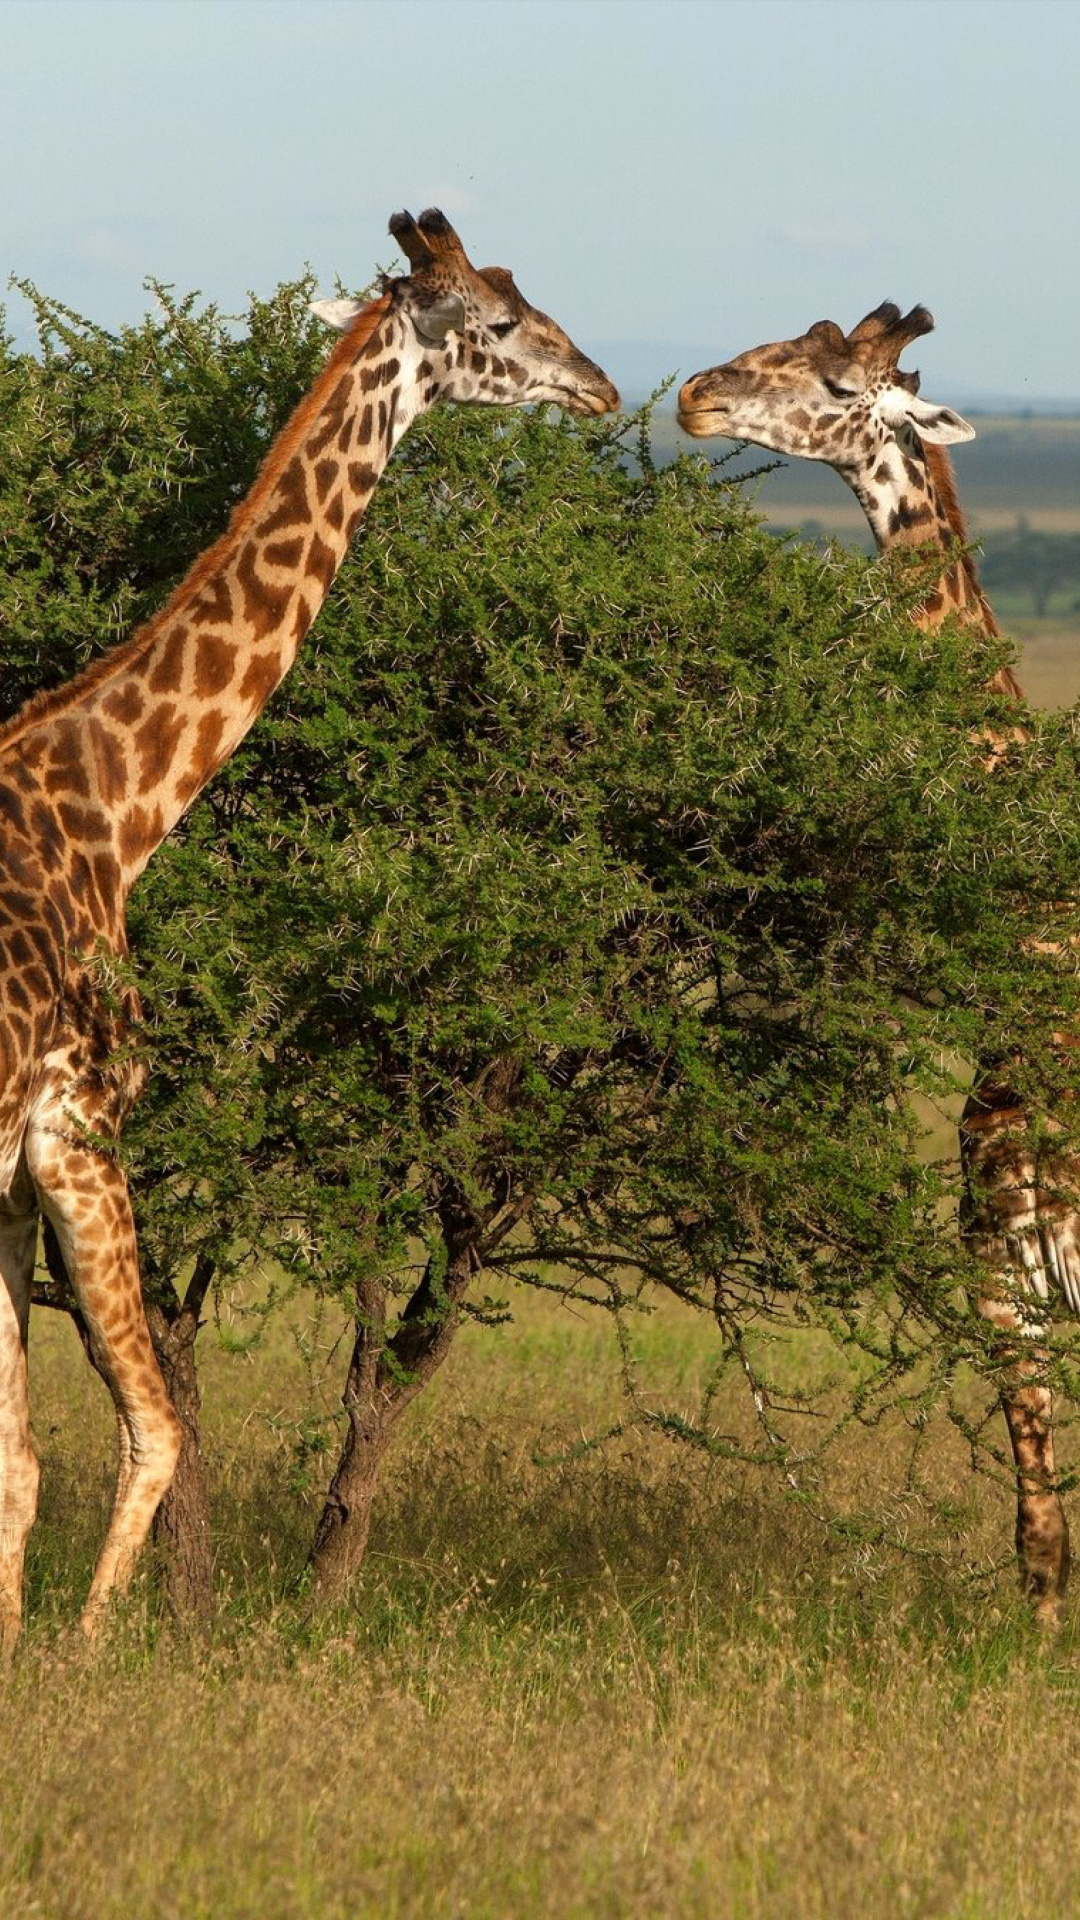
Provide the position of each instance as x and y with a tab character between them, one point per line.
19	1471
85	1196
1042	1532
1031	1252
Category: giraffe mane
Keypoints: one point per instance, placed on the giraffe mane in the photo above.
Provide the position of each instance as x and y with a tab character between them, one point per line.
941	473
54	700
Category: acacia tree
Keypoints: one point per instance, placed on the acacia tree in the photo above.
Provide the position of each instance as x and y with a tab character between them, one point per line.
596	890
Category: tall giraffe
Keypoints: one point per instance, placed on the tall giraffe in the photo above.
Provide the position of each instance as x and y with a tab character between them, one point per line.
94	775
842	398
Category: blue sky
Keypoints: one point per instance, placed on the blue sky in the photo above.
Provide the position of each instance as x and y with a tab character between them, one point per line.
675	180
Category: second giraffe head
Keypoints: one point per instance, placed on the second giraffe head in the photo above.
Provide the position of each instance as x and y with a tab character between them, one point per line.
825	395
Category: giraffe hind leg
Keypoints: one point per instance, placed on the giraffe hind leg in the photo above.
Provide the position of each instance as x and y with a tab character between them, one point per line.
1032	1254
85	1197
1042	1532
19	1472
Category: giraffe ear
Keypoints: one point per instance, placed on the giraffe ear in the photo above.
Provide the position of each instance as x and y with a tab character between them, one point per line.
438	318
337	313
939	426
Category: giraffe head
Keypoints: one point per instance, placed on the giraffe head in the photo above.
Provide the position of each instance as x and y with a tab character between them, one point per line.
477	337
826	395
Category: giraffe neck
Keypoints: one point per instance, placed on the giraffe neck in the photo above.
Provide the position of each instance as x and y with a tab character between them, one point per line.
908	494
124	750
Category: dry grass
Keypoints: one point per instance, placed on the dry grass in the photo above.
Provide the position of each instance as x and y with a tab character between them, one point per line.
636	1682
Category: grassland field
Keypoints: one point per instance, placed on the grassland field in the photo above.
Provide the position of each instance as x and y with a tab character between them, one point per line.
629	1681
639	1681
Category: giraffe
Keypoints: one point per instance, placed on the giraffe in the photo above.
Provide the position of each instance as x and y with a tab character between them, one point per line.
94	775
842	398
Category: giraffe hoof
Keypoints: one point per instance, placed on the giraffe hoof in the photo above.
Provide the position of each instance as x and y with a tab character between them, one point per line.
1047	1614
91	1620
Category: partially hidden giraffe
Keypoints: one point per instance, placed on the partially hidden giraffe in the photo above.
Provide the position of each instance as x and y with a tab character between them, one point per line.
842	398
94	775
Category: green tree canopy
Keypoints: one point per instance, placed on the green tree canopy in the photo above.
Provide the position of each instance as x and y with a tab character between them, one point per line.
598	889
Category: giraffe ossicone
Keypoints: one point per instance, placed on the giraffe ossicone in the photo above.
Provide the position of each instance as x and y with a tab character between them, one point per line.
94	774
843	398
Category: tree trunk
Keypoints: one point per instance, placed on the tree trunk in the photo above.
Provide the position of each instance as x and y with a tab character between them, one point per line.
384	1376
341	1536
182	1521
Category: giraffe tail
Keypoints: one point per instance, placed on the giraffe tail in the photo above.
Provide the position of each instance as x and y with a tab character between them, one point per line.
1045	1257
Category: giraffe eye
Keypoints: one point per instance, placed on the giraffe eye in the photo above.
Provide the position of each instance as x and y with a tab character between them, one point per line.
500	328
838	390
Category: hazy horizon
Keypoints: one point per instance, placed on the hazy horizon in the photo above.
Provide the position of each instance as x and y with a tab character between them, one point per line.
700	176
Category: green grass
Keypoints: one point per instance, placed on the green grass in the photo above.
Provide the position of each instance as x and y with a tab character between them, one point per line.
631	1681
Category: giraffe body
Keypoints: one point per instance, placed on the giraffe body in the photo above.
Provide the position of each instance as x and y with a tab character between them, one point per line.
842	398
94	775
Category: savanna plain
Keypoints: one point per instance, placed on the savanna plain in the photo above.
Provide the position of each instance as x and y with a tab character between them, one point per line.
626	1679
630	1681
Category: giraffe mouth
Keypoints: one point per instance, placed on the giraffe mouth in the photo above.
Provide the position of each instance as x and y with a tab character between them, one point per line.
701	412
703	419
591	401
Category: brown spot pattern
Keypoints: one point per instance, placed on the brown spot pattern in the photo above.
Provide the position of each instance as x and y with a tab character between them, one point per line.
164	667
326	472
215	664
290	501
263	673
155	745
265	601
321	562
